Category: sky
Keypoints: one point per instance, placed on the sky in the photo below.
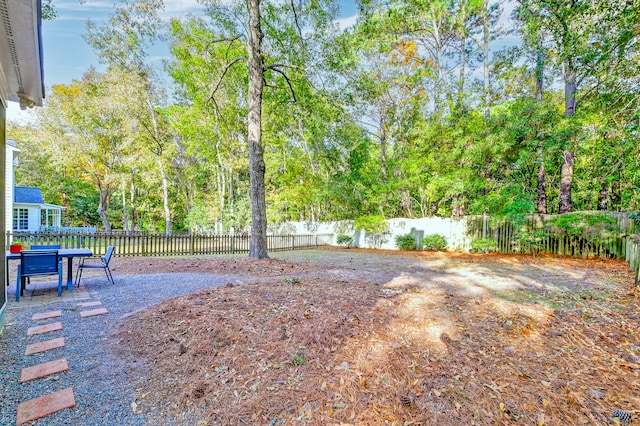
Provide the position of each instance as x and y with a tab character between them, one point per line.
67	56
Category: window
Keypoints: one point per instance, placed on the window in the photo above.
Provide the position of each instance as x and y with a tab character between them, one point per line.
20	219
50	218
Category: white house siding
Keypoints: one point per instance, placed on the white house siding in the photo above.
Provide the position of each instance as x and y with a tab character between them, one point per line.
11	152
34	216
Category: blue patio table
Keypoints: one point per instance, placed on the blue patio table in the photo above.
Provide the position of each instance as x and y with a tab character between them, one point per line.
62	253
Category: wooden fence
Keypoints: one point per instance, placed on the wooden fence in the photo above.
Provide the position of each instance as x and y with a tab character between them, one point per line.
632	255
143	244
536	234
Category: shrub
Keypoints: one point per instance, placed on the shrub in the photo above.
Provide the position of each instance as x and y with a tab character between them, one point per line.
483	245
375	227
434	242
344	240
406	242
371	224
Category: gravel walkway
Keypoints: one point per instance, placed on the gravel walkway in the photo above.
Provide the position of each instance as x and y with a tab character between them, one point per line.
100	383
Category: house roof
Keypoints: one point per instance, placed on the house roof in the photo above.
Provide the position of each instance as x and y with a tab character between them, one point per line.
21	72
26	195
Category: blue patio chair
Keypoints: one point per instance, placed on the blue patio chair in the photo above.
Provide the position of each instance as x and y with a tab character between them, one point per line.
102	263
43	247
46	247
37	263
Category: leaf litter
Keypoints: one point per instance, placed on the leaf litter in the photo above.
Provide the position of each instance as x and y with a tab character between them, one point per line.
361	337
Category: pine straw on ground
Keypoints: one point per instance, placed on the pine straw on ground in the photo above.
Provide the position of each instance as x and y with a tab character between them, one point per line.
312	348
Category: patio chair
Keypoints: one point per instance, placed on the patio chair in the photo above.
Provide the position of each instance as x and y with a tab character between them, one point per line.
46	247
38	263
102	263
43	247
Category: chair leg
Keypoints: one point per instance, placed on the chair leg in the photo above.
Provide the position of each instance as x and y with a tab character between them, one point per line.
60	279
18	289
107	272
78	275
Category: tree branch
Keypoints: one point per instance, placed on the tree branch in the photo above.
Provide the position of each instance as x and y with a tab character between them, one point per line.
221	40
295	18
275	67
224	72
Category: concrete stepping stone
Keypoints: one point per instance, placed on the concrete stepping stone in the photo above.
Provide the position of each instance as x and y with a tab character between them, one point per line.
88	304
46	328
93	312
46	315
45	405
43	370
44	346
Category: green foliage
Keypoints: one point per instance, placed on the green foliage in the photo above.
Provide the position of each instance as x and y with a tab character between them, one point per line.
584	223
371	224
48	10
344	240
292	280
406	242
434	242
483	245
378	127
375	227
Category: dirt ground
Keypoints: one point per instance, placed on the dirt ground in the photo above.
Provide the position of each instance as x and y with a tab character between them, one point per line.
364	337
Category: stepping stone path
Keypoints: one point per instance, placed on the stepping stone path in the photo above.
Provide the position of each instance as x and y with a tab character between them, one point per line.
43	370
49	404
44	346
93	312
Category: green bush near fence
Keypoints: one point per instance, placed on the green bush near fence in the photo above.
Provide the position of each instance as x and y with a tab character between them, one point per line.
435	242
406	242
483	245
586	224
344	240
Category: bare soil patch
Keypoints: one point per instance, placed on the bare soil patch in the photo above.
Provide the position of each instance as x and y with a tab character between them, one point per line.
332	337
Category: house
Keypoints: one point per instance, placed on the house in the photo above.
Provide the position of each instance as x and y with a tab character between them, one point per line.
26	209
31	213
21	80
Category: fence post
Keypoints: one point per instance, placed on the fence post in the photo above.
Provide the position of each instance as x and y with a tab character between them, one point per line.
484	225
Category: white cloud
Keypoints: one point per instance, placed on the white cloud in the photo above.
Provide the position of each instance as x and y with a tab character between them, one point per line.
86	6
347	22
182	7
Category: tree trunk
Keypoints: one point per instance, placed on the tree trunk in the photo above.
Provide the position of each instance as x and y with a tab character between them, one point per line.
125	214
542	187
485	51
383	148
566	180
165	197
539	71
132	204
603	195
103	206
258	247
570	87
463	61
457	210
566	174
